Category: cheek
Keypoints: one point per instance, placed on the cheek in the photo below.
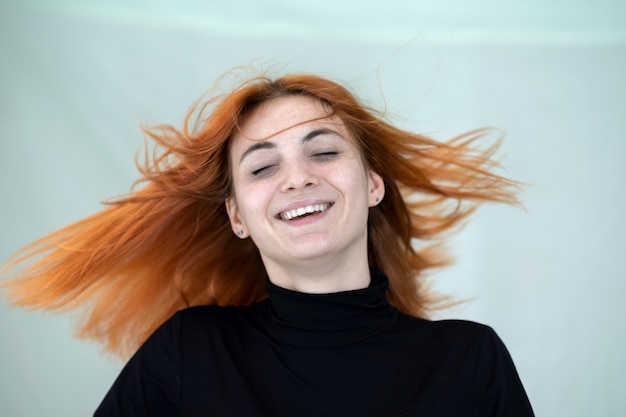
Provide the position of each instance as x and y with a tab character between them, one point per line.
352	178
253	202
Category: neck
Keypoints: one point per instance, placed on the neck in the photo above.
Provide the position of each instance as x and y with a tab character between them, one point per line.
321	277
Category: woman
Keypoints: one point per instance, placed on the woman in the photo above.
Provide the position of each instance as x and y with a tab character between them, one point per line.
293	220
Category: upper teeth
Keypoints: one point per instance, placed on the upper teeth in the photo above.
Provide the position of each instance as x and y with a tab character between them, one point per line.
300	211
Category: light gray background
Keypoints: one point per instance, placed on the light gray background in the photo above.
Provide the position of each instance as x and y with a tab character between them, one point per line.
77	78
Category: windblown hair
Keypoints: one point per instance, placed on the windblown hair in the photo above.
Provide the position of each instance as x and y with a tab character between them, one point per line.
168	244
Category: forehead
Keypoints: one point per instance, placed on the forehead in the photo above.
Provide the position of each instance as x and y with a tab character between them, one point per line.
280	114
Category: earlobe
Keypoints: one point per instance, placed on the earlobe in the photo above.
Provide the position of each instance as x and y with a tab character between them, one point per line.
235	219
376	188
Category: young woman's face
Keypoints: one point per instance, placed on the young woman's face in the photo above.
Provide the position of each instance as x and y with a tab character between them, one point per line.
301	190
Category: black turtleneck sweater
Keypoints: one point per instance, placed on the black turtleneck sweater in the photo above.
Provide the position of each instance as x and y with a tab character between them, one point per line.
293	354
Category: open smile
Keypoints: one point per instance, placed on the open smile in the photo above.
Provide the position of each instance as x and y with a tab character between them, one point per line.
304	211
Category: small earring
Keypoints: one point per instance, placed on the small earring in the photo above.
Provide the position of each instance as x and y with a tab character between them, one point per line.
239	233
377	199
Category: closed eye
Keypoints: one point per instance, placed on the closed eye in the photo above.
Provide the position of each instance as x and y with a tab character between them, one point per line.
263	171
324	156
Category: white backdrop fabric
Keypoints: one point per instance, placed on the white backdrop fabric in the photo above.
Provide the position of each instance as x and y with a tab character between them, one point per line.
78	77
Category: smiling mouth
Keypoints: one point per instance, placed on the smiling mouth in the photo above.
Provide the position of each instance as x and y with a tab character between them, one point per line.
304	211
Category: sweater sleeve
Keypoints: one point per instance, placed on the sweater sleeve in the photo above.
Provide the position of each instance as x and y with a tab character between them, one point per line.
499	391
150	383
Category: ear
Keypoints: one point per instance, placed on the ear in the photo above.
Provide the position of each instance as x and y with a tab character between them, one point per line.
232	208
376	188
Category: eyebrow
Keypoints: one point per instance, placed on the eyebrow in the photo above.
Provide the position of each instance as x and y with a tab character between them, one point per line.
272	145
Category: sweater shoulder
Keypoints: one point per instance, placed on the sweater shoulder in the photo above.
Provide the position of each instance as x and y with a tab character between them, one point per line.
208	319
448	331
204	314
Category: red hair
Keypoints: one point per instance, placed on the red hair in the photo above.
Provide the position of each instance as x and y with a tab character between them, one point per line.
168	244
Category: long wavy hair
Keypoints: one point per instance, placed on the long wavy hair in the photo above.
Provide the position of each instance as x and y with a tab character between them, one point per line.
168	244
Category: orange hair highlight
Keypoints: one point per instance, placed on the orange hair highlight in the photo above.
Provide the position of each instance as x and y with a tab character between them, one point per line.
168	244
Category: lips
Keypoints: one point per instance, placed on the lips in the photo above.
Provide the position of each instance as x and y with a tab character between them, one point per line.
303	211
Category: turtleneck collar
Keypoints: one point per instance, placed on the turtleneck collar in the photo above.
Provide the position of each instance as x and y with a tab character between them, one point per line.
323	320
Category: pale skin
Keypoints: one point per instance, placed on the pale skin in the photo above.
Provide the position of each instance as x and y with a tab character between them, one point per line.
302	193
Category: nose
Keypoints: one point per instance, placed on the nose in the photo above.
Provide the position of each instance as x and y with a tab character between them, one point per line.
298	175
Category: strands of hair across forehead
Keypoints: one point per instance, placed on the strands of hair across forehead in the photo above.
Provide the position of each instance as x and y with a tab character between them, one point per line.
168	244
